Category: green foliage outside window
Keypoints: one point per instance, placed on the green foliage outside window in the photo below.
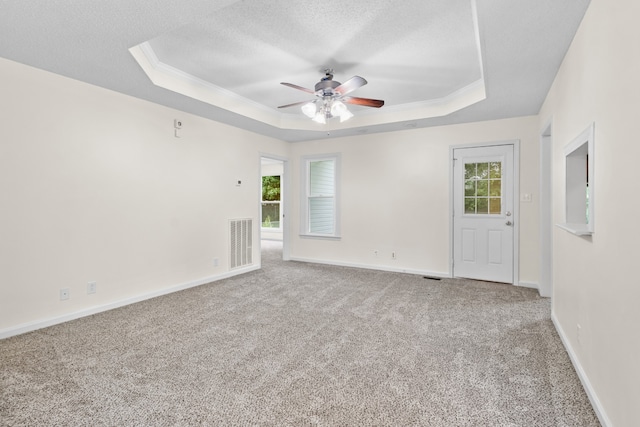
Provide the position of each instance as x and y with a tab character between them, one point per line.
271	199
270	188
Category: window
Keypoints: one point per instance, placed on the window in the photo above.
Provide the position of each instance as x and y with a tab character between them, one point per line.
320	199
271	203
483	188
579	183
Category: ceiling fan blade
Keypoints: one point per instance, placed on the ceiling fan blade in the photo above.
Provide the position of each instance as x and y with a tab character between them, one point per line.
366	102
295	104
304	89
350	85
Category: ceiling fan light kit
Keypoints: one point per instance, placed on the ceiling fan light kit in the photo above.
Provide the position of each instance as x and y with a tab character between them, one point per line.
339	109
309	109
331	98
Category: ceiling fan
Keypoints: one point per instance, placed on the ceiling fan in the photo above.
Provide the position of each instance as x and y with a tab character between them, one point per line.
331	97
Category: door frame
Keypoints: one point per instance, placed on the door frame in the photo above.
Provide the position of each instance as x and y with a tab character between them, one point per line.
545	281
285	189
516	202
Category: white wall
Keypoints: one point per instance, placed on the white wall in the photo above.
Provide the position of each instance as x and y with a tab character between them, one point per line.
95	187
596	281
395	196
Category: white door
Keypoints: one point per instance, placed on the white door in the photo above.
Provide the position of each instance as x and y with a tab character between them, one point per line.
483	237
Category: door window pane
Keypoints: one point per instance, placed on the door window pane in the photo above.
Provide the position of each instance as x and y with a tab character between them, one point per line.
495	187
482	206
495	170
469	205
483	188
470	188
495	205
469	170
483	170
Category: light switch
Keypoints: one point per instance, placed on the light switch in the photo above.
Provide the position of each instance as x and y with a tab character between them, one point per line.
525	197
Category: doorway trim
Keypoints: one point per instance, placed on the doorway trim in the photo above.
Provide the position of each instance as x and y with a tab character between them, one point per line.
285	183
545	281
516	202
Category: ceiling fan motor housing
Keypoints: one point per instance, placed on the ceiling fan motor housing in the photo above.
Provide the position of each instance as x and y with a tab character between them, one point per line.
326	87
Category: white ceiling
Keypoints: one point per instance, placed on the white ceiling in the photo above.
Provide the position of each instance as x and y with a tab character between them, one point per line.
434	62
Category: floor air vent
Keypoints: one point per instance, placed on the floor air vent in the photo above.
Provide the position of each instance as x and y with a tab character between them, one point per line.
241	242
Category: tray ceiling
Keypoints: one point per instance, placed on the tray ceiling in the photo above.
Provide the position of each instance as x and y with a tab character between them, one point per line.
433	62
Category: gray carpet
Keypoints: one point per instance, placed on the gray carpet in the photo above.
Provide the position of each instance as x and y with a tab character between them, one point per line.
301	345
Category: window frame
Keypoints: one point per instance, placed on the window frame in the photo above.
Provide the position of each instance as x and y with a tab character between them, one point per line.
305	199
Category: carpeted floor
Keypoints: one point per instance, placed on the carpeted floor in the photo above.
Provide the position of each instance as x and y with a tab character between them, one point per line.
299	344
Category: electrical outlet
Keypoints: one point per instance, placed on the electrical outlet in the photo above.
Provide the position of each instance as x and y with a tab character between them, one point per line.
375	253
64	294
91	287
393	255
216	262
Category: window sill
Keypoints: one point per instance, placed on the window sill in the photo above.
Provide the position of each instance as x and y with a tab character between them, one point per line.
319	236
577	229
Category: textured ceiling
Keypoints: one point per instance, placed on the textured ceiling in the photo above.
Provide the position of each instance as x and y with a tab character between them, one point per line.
412	52
416	52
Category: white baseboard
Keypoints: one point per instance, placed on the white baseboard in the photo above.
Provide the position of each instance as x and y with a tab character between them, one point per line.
374	267
442	275
43	323
584	379
528	285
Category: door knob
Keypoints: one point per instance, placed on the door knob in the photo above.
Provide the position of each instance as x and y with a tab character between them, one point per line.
509	223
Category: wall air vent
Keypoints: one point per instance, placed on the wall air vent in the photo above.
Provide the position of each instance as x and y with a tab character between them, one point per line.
241	242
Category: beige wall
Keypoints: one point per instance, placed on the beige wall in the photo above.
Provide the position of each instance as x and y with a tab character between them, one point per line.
395	196
596	284
95	187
